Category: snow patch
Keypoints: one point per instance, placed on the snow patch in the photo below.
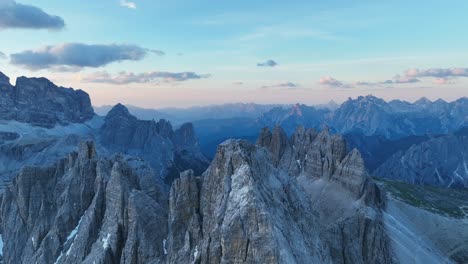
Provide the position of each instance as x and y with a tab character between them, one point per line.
196	254
438	175
70	237
75	230
164	247
105	241
1	245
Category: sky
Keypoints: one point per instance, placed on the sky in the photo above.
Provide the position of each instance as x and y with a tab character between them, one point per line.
160	53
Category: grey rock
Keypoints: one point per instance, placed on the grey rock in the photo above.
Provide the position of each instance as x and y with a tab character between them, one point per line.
167	151
85	210
252	207
40	102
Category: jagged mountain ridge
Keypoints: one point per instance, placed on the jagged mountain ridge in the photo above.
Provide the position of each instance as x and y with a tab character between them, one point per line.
294	200
40	102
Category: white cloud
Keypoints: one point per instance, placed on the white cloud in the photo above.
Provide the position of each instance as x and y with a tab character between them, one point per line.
128	4
146	77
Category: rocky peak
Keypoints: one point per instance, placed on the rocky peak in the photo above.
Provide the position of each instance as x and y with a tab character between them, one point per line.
40	102
230	215
86	150
264	139
167	151
164	128
277	145
423	101
185	135
120	112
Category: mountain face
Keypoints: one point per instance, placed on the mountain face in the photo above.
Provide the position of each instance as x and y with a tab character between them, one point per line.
41	103
439	161
373	116
84	210
260	203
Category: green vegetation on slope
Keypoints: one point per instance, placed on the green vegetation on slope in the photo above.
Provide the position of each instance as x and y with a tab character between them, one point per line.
443	201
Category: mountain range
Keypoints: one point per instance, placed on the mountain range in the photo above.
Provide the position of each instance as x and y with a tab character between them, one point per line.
84	188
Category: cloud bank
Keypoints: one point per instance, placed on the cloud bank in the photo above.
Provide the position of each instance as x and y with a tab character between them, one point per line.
147	77
78	55
438	72
268	63
2	56
442	76
15	15
331	82
283	85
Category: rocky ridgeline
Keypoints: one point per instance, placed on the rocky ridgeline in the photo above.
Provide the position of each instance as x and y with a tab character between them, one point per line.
40	102
283	200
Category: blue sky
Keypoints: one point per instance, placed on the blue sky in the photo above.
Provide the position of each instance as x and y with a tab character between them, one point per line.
208	52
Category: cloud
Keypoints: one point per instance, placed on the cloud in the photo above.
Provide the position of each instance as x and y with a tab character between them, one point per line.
2	56
15	15
157	52
403	79
147	77
438	72
128	4
442	76
78	55
282	85
331	82
238	83
268	63
442	81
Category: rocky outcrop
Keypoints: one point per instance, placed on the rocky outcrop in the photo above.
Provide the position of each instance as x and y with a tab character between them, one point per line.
169	152
440	161
85	210
255	205
40	102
